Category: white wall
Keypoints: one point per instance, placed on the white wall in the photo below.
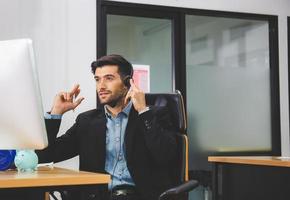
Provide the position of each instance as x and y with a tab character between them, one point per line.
270	7
64	35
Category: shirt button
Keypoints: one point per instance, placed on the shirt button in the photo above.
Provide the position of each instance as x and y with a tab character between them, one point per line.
120	158
117	139
92	196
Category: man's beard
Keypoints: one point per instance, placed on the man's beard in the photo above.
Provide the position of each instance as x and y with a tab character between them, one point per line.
115	100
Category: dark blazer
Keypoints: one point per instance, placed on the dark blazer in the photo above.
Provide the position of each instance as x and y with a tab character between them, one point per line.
150	144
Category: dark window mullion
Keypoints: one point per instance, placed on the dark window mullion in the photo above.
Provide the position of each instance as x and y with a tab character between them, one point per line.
101	29
274	85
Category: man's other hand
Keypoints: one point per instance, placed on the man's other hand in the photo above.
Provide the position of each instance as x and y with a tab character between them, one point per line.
137	97
65	101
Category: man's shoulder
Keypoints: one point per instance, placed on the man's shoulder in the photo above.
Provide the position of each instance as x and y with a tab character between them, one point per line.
93	113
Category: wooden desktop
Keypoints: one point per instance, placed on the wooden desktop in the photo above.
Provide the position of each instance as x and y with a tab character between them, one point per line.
49	178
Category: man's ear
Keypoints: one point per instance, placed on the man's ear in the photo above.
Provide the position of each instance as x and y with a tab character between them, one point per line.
127	81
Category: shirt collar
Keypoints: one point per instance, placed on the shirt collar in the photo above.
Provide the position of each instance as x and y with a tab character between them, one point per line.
125	110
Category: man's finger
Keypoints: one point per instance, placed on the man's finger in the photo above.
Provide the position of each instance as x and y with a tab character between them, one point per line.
77	102
68	97
133	86
77	93
64	96
74	89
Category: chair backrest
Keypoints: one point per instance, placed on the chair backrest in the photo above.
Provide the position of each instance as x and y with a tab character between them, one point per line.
174	103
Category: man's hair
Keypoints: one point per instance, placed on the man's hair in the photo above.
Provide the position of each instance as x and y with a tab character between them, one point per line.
124	67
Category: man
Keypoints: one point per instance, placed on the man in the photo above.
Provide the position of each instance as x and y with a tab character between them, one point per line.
135	144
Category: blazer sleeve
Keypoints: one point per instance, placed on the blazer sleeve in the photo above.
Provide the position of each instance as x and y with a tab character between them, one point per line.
59	148
160	135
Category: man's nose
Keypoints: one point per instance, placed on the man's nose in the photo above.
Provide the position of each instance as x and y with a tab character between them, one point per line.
101	84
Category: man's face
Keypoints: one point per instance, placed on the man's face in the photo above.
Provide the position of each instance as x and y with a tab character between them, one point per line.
110	87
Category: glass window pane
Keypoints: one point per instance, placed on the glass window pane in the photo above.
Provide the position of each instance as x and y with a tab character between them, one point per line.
143	41
228	84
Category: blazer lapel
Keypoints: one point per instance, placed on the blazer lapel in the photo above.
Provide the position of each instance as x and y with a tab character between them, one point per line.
129	134
97	139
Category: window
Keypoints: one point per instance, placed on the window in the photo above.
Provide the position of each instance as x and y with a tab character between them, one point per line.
224	63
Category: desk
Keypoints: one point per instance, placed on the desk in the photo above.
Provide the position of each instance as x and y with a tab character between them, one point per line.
250	178
46	179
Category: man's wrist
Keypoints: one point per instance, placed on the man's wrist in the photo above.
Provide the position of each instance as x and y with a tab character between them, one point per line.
48	115
143	110
56	111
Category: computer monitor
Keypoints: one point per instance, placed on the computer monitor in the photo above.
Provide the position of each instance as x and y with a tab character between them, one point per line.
21	114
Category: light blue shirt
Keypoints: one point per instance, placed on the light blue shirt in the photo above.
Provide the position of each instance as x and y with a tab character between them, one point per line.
116	164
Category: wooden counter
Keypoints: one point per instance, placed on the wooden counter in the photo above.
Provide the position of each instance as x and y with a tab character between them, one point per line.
46	176
252	160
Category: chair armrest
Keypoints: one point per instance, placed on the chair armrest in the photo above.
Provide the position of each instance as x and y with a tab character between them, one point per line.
181	189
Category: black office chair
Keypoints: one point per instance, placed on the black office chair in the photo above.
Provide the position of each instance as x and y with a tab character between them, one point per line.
174	103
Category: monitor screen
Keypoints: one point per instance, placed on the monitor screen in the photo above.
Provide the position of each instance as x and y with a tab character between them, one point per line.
21	114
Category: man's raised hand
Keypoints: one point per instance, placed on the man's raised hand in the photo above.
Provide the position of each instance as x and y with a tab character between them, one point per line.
137	97
65	101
